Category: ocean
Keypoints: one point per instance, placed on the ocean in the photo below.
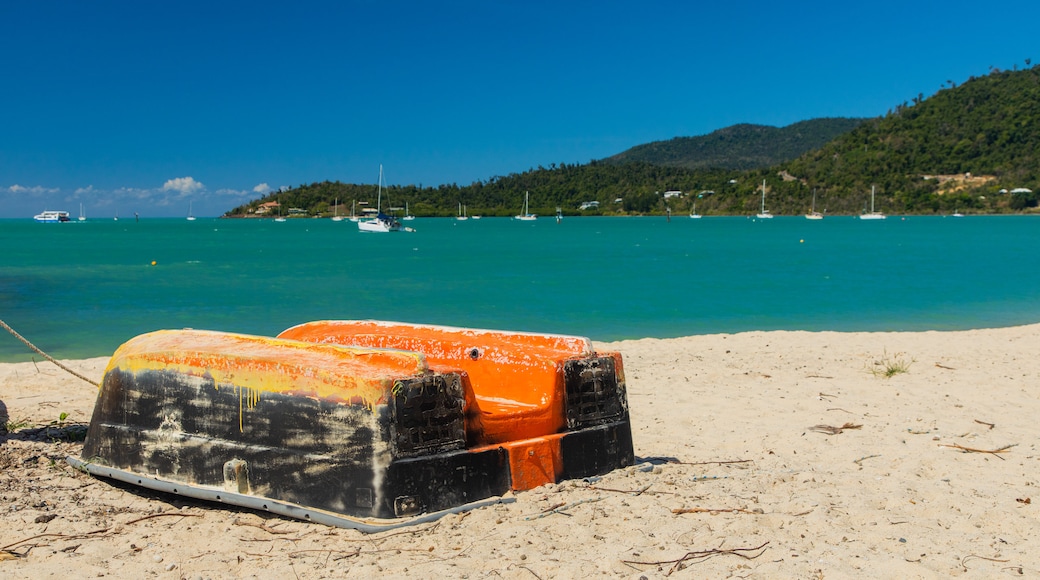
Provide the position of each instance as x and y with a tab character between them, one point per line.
80	289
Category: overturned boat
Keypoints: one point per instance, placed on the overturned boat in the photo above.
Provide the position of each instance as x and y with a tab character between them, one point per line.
362	424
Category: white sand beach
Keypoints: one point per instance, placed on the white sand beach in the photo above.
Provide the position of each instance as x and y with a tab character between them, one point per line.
761	455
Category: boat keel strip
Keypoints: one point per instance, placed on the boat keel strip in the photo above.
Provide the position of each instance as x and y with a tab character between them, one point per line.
285	509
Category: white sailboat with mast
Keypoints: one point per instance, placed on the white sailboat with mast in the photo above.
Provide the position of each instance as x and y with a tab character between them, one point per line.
813	214
381	223
873	215
693	210
763	213
525	215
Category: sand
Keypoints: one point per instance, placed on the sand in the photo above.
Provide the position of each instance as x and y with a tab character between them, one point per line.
761	454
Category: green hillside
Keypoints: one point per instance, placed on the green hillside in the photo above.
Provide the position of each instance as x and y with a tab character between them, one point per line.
919	155
966	148
740	146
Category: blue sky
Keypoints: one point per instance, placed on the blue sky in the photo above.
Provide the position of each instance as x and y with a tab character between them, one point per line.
144	106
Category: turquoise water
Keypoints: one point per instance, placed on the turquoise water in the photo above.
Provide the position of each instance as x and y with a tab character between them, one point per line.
80	289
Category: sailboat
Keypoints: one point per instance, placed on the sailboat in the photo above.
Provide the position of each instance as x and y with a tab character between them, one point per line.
191	217
693	211
380	223
764	213
279	218
336	217
525	215
462	213
82	216
407	216
353	217
813	214
873	215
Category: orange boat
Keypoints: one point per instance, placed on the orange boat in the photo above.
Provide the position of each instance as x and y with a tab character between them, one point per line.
556	406
363	424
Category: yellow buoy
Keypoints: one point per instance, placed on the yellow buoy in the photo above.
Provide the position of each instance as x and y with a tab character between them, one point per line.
153	262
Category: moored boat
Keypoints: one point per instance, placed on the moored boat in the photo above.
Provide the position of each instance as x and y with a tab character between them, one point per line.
52	216
763	213
872	215
525	215
378	221
813	214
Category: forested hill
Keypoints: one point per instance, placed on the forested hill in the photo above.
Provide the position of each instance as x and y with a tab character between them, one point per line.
972	148
740	146
965	147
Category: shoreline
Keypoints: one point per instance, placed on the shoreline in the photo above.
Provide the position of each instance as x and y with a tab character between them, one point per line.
551	217
607	343
781	454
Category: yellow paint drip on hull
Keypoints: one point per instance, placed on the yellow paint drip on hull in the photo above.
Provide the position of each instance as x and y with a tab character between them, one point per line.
256	365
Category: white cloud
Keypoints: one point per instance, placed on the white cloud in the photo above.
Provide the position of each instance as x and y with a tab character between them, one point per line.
183	185
36	190
85	190
262	188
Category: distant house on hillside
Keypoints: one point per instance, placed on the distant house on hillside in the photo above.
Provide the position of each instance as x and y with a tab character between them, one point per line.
588	205
266	208
1021	190
672	193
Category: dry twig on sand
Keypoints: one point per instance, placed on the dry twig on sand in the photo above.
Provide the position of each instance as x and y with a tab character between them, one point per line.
970	556
702	555
631	491
102	533
829	430
995	452
264	527
713	511
163	515
560	508
712	462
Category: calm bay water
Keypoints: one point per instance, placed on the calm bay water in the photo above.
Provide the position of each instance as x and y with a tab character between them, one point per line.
78	290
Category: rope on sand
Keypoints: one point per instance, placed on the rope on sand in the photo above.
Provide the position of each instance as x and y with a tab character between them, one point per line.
45	355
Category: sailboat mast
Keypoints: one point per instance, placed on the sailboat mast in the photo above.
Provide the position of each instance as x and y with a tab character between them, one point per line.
379	191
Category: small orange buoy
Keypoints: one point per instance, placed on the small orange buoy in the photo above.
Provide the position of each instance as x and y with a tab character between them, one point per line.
153	262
